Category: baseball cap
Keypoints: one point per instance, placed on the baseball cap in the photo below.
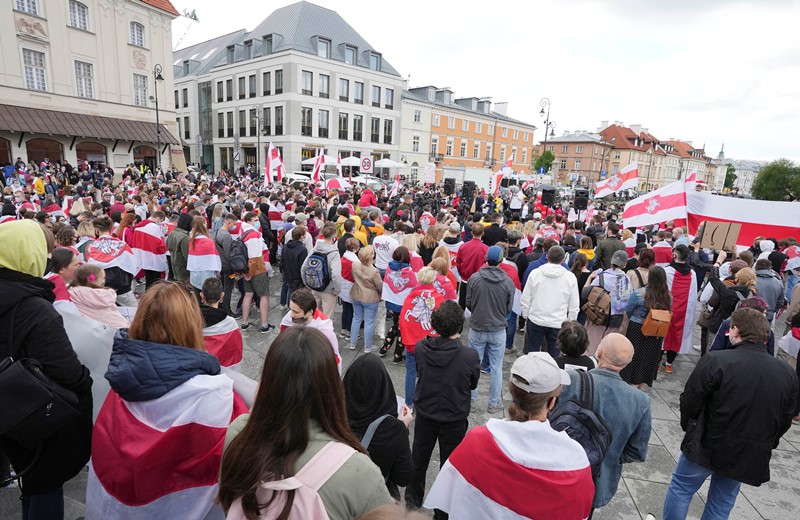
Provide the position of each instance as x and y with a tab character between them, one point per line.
494	254
620	258
793	263
455	227
539	373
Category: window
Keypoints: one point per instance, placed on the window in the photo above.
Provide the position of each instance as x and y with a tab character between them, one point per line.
220	91
323	48
242	91
350	55
513	154
524	156
434	145
28	6
516	134
230	52
478	127
414	171
324	86
617	154
305	121
140	90
266	83
344	90
488	151
343	126
78	15
177	100
579	149
375	136
137	34
449	148
84	80
476	150
563	164
229	124
376	96
187	128
308	83
252	85
505	132
387	131
417	116
220	124
490	129
375	61
415	143
185	98
389	98
464	125
577	165
266	45
451	123
503	152
525	136
266	123
551	148
278	119
242	123
463	150
229	89
278	82
253	121
358	95
324	123
565	149
436	120
358	128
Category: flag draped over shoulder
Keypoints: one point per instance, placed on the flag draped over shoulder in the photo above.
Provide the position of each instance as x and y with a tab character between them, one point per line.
149	246
398	284
224	340
203	255
683	288
108	252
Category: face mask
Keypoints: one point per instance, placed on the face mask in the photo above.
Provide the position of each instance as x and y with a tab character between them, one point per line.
257	225
299	321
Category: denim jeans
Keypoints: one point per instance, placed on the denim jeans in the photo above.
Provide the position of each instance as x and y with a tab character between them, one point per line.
411	378
495	344
44	506
511	330
363	312
284	294
687	479
347	315
533	339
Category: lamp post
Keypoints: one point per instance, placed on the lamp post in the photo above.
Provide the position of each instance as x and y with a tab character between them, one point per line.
548	125
649	168
156	78
259	129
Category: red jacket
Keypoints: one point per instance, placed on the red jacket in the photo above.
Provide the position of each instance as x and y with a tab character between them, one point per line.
367	199
471	256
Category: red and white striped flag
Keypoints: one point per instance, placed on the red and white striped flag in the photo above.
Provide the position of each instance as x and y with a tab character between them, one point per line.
628	177
224	340
667	203
108	251
274	162
55	211
318	162
339	165
149	246
203	255
398	284
396	186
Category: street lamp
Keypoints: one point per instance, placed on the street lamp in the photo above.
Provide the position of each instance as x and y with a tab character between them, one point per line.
156	78
256	110
548	125
650	167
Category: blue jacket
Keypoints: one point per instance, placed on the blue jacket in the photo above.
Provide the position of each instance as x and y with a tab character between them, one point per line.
535	265
721	341
626	412
636	309
143	371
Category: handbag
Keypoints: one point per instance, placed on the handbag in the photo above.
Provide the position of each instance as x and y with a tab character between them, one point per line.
33	407
705	318
656	323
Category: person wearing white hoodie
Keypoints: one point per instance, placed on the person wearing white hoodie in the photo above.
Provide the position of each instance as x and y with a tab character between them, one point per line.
550	297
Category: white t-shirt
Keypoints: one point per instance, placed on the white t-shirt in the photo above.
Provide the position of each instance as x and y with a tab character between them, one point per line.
384	248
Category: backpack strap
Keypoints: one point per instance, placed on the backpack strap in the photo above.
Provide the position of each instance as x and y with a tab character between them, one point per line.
371	429
587	389
327	461
639	276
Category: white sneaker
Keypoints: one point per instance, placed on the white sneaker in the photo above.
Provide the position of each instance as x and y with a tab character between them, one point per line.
650	517
696	347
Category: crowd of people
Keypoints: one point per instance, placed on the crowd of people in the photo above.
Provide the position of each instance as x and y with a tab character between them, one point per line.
130	299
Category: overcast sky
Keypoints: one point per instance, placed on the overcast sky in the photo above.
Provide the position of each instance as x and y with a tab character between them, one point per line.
706	71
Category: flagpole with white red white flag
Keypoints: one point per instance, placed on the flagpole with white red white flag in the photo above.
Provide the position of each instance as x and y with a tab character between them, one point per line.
667	203
317	167
505	169
626	178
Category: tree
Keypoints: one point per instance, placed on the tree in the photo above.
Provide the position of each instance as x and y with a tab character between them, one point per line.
730	176
546	160
779	180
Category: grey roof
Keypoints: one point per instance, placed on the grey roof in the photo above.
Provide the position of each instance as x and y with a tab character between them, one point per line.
204	56
578	137
407	94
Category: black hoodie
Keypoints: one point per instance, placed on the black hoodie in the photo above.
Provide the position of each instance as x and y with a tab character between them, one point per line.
446	373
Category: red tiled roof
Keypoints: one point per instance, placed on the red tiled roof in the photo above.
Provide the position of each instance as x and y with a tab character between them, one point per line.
683	148
164	5
622	138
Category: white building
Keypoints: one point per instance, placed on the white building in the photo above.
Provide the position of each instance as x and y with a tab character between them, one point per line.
415	135
746	173
76	78
302	79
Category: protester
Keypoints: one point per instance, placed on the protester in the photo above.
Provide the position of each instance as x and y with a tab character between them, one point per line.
325	287
617	285
769	286
178	247
722	339
366	295
224	242
606	248
203	261
221	335
348	259
573	342
471	256
116	258
292	258
397	284
256	281
93	299
150	247
303	311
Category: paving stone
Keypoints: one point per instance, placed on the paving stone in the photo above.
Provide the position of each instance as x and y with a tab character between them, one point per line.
657	468
649	498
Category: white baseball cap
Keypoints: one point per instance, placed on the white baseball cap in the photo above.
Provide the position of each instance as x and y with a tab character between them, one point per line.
539	373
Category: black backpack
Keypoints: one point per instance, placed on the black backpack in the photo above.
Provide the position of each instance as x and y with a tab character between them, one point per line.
239	260
579	420
370	234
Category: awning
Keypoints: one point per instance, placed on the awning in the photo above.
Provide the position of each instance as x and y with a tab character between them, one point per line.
39	121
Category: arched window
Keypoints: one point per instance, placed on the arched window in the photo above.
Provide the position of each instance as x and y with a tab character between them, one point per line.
137	34
41	149
5	151
78	15
414	171
91	151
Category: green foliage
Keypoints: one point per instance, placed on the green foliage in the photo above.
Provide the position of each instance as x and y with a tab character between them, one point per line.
546	160
730	176
779	180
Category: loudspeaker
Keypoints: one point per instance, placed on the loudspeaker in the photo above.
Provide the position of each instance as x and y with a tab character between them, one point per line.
581	199
449	186
548	197
468	191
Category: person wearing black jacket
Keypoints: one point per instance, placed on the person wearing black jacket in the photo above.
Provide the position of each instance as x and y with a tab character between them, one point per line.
447	372
735	407
266	232
36	331
370	399
294	254
494	233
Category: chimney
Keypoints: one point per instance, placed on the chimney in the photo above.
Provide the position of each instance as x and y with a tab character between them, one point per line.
603	126
501	108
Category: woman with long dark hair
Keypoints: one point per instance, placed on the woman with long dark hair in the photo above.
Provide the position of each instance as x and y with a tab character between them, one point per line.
299	410
203	261
643	368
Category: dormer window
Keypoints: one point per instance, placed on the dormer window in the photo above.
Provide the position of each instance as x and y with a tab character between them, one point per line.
323	48
248	49
266	45
350	55
231	53
375	61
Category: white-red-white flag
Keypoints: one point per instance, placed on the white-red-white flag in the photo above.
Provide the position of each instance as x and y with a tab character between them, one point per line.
628	177
274	162
667	203
318	162
339	165
396	185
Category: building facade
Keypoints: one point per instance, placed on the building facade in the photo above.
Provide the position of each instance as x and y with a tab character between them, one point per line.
77	78
303	79
415	135
581	158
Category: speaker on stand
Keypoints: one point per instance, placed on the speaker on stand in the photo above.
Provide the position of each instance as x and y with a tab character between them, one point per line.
548	197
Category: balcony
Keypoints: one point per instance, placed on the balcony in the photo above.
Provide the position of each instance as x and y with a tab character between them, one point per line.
437	157
488	163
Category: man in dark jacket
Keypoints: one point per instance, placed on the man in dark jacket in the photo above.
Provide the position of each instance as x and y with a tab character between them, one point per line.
294	254
36	331
494	233
735	407
607	247
224	242
490	297
446	372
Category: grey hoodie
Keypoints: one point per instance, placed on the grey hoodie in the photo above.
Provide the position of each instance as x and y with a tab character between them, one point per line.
490	297
769	287
334	265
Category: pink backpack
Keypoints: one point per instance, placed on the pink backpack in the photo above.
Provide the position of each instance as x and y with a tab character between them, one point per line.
306	483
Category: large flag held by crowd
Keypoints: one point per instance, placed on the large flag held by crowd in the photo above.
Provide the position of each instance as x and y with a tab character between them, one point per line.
626	178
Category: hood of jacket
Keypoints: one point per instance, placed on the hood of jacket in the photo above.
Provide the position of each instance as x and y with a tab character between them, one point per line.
99	299
323	247
394	265
440	351
554	270
452	240
142	370
588	252
766	273
296	244
16	286
492	274
24	247
211	315
681	268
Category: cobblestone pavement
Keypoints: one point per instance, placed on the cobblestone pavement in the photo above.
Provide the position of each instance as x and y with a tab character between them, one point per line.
643	486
